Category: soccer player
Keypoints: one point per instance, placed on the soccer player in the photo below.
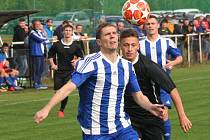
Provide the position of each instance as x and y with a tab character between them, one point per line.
101	79
158	49
151	77
68	52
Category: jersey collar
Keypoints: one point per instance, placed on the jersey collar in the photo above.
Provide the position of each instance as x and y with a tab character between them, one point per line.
136	59
67	44
110	62
155	40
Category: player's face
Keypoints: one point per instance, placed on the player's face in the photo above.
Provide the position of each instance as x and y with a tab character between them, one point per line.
151	26
108	39
67	32
129	47
37	25
22	24
5	49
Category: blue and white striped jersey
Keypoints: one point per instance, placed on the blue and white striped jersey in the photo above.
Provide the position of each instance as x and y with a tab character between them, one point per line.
101	85
159	50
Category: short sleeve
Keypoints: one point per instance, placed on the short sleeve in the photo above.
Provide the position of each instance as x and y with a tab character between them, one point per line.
84	69
133	85
172	49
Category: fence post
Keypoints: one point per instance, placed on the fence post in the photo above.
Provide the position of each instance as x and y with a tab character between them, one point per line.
200	50
88	48
188	50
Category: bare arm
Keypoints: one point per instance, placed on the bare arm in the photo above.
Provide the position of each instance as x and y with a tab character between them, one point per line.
171	64
144	102
184	121
59	96
52	64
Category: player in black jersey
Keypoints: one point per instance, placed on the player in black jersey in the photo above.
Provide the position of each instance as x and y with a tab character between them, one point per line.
68	53
151	78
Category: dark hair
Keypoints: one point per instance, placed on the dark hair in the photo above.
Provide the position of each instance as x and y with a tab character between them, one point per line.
164	21
67	26
49	19
78	25
152	16
191	24
128	33
65	22
21	20
100	27
5	44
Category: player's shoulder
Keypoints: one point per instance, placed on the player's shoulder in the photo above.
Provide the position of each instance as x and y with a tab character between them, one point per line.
126	64
86	63
123	60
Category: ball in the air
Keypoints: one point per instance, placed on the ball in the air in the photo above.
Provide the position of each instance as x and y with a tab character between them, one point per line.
136	11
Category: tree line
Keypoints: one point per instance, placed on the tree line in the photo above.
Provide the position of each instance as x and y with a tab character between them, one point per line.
52	7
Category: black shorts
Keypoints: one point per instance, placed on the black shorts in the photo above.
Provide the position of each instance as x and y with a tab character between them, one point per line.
149	131
61	78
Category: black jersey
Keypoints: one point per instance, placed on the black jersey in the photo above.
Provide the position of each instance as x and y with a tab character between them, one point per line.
65	54
151	77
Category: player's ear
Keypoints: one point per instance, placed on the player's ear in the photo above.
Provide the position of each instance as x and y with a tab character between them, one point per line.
158	26
98	41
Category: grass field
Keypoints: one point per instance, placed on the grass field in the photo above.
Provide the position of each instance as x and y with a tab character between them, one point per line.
17	110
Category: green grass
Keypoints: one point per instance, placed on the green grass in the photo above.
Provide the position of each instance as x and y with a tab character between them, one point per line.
17	110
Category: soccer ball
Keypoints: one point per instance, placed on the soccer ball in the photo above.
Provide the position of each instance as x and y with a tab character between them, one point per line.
136	11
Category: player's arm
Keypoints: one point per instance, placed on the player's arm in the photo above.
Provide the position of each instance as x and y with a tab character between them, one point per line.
175	53
51	54
58	97
184	121
52	64
160	77
143	101
134	88
170	64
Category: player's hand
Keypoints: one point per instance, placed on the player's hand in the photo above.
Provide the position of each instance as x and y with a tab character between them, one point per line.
157	110
185	124
74	61
40	116
169	65
54	67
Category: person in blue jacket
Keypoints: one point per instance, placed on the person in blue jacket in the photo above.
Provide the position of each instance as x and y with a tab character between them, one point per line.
38	42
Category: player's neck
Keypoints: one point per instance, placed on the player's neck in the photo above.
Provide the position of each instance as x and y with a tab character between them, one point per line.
152	37
68	40
110	54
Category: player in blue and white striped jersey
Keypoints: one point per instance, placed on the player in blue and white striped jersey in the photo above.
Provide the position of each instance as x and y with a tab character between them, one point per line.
159	49
101	79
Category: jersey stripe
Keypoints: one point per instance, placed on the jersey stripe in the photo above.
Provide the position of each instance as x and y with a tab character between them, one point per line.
87	61
148	50
123	118
159	52
105	98
96	101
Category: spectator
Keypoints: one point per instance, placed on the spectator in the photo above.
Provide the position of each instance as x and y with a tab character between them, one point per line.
79	32
139	30
20	50
208	20
58	30
49	34
205	40
7	74
120	27
49	31
163	30
37	41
